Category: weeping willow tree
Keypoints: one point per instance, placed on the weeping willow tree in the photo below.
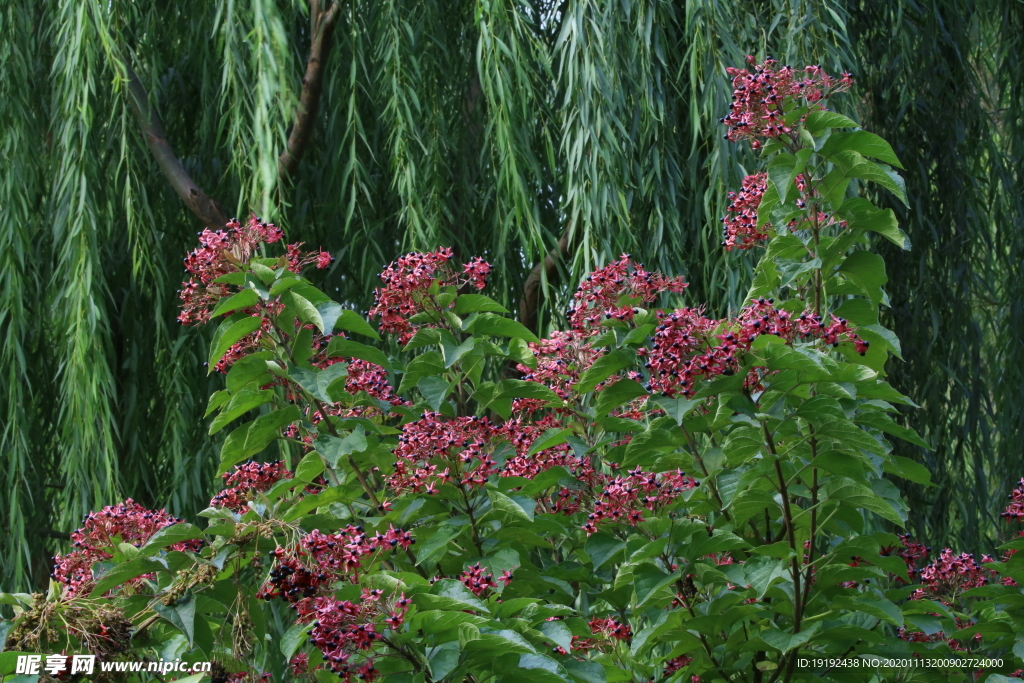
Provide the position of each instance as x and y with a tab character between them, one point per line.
544	136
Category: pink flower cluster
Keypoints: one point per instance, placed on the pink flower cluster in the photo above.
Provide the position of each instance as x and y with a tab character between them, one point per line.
1015	510
246	480
951	573
759	97
129	523
683	350
625	498
910	552
561	359
614	291
740	225
341	628
320	559
222	252
480	581
460	445
407	288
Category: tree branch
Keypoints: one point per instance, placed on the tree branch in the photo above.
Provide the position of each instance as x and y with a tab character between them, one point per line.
531	288
198	202
322	25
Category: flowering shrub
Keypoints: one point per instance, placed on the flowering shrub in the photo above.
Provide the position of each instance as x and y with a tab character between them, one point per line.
658	495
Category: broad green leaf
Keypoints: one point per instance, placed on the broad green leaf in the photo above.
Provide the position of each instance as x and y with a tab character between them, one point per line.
502	503
337	318
169	535
867	271
121	573
473	303
181	613
428	364
241	403
334	448
339	346
256	436
228	334
615	395
235	302
817	121
497	326
604	367
304	309
648	580
862	142
784	641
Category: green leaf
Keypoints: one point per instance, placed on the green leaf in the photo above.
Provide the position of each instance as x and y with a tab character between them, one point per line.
340	346
293	639
254	436
474	303
860	214
601	547
304	308
543	668
449	594
228	334
817	121
862	142
604	367
549	439
241	403
496	326
502	503
453	351
558	633
431	550
121	573
782	169
428	364
181	613
585	671
784	641
236	302
443	659
882	609
866	270
169	535
337	318
310	467
333	448
615	395
519	351
648	580
434	390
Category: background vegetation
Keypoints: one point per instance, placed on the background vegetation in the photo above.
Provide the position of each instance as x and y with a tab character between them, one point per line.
546	137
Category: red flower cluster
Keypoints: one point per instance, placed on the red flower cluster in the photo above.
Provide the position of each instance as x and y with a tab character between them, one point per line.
683	351
328	558
129	523
740	226
759	97
407	288
477	579
341	628
459	445
1015	510
246	480
561	359
910	552
625	498
610	628
952	573
613	292
222	252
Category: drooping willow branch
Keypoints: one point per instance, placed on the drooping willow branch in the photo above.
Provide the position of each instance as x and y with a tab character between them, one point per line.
207	209
202	205
321	26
